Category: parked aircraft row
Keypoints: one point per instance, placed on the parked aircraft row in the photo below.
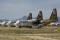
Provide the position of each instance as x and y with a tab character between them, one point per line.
34	23
17	23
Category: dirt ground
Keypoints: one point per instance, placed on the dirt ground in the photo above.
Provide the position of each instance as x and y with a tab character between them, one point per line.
30	37
11	34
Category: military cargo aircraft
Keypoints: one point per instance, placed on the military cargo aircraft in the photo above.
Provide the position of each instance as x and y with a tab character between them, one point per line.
34	23
28	22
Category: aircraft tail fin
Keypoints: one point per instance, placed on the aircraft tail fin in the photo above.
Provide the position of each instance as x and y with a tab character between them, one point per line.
30	16
53	16
40	15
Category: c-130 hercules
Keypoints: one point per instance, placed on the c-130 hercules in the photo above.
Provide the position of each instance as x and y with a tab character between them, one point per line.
38	21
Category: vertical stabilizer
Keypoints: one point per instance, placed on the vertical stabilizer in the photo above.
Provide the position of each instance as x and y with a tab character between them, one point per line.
40	16
30	16
53	16
38	19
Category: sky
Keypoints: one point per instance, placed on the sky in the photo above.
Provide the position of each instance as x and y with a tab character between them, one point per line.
15	9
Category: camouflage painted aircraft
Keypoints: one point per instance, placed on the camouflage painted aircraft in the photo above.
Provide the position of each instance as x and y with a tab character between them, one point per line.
53	17
37	21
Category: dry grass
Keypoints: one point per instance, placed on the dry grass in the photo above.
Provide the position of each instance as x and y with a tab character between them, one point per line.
13	37
30	37
8	33
12	30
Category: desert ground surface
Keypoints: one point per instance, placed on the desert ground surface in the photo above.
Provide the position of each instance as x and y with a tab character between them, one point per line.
12	33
